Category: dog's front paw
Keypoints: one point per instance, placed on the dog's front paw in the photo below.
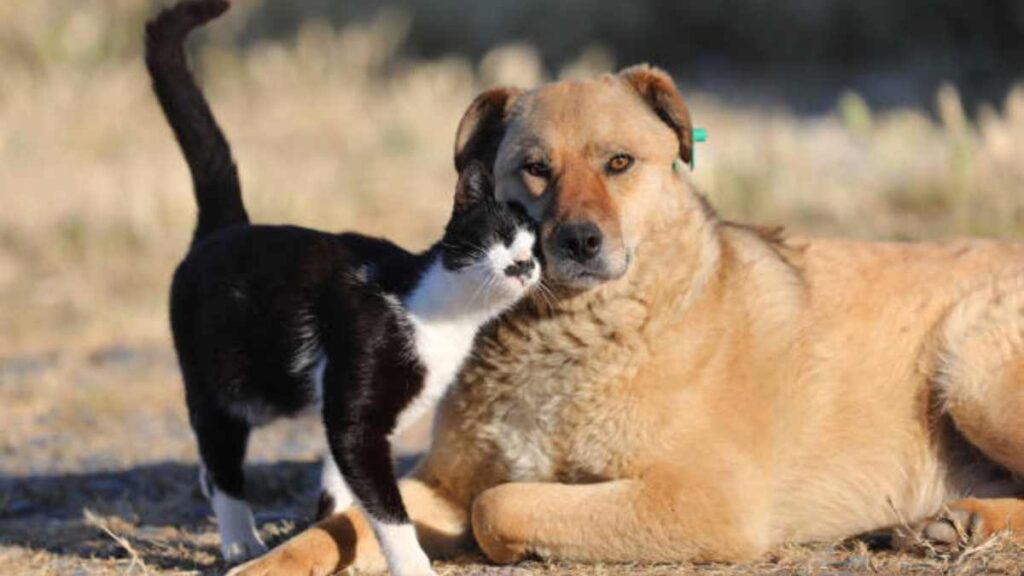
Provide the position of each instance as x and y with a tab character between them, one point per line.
958	526
276	563
496	526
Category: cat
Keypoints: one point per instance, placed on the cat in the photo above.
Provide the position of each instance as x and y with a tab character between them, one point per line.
269	321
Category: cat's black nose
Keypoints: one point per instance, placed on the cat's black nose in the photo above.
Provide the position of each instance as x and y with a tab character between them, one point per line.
521	269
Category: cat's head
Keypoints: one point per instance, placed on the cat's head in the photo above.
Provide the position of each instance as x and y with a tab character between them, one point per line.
492	243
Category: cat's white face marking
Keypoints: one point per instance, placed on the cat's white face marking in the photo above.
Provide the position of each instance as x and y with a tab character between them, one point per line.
480	291
501	257
492	288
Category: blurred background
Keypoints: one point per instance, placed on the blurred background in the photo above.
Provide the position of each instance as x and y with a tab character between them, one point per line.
869	118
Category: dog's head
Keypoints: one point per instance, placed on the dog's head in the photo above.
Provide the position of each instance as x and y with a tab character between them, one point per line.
589	160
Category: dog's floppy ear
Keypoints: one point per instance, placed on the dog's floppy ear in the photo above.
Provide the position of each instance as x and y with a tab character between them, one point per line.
482	127
658	90
475	186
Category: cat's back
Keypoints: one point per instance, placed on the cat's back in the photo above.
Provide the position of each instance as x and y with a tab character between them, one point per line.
268	252
260	302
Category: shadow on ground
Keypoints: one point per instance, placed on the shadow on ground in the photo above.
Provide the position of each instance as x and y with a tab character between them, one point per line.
154	513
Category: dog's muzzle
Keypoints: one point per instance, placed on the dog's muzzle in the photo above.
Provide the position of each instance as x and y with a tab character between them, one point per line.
580	255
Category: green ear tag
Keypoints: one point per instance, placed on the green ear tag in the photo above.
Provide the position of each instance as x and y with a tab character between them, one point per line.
699	135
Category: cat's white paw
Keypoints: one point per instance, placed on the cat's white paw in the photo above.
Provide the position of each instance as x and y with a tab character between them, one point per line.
402	550
238	538
411	563
242	550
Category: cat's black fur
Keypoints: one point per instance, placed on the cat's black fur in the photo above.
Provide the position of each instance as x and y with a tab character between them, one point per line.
255	309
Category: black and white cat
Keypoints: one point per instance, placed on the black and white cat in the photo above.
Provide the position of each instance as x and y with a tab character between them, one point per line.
271	320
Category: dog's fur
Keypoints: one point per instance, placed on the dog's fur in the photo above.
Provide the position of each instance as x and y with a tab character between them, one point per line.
730	391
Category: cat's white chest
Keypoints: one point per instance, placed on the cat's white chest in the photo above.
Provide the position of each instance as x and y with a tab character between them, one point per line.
441	348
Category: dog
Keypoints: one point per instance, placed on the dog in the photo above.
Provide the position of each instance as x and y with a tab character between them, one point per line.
700	390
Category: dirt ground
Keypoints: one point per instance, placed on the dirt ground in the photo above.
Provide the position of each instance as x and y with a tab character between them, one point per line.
98	476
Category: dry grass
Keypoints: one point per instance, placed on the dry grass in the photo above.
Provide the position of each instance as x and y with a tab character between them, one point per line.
333	131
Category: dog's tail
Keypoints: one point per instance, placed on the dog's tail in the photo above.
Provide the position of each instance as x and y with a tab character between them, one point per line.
214	175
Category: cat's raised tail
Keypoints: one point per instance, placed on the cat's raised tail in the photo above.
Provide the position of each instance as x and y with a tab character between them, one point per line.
214	175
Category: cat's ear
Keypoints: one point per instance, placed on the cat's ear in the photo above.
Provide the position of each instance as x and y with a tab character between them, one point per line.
475	186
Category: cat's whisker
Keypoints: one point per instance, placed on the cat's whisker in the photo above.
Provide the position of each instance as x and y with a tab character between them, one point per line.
549	296
546	295
482	286
492	281
477	293
550	293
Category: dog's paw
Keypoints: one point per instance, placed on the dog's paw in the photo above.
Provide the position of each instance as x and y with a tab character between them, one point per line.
276	563
497	526
953	529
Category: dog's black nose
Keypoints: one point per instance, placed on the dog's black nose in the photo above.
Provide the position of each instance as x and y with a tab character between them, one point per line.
522	268
581	241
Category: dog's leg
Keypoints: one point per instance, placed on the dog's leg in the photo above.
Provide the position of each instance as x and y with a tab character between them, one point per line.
981	372
966	522
658	519
981	382
347	540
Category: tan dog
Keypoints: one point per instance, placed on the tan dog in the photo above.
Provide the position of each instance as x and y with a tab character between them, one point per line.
700	390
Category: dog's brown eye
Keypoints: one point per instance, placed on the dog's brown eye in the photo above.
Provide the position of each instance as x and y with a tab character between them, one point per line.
537	169
619	163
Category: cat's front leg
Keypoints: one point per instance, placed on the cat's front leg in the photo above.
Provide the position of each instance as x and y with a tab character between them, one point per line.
359	421
335	495
363	453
